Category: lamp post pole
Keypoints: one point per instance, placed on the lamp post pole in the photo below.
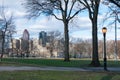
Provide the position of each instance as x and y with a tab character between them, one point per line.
104	30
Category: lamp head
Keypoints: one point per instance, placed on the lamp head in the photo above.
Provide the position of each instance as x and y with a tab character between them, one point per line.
104	29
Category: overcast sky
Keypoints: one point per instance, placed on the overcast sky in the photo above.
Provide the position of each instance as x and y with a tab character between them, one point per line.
80	28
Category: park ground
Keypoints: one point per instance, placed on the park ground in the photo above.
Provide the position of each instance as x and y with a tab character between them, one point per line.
54	69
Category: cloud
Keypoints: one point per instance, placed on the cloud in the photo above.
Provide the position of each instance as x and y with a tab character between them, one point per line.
83	34
19	14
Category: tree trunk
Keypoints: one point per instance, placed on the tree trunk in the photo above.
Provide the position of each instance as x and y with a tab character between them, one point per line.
95	58
94	17
3	41
66	43
51	52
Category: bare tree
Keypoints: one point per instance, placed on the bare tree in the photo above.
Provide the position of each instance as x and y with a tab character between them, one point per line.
93	9
110	48
63	10
113	12
118	49
7	27
60	47
80	47
54	37
83	47
100	47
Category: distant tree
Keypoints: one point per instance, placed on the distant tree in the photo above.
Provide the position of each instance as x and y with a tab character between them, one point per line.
100	47
7	27
80	46
63	10
118	49
83	47
93	9
54	37
110	48
88	47
60	46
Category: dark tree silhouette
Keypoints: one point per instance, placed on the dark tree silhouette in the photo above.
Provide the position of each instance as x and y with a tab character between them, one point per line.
93	9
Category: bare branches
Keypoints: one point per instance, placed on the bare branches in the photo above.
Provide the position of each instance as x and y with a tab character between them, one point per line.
36	7
71	8
91	5
116	2
49	7
70	17
8	28
7	22
57	17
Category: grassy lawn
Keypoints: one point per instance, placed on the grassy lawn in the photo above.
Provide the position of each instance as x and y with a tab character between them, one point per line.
47	62
55	62
58	75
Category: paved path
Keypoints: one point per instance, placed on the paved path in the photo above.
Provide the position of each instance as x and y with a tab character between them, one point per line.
13	68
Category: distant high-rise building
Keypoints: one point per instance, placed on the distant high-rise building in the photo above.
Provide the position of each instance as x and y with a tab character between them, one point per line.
43	38
25	42
25	35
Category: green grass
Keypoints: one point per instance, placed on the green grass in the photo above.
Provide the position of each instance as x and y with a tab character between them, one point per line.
58	75
48	62
56	62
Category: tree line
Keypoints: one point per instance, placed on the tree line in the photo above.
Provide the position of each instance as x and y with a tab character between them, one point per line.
83	48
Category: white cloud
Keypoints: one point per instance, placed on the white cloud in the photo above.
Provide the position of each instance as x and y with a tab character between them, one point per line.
19	14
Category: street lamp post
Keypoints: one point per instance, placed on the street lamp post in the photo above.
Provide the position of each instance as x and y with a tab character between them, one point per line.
104	30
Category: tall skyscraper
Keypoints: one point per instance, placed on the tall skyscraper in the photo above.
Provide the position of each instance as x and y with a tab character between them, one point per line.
25	42
25	35
43	38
